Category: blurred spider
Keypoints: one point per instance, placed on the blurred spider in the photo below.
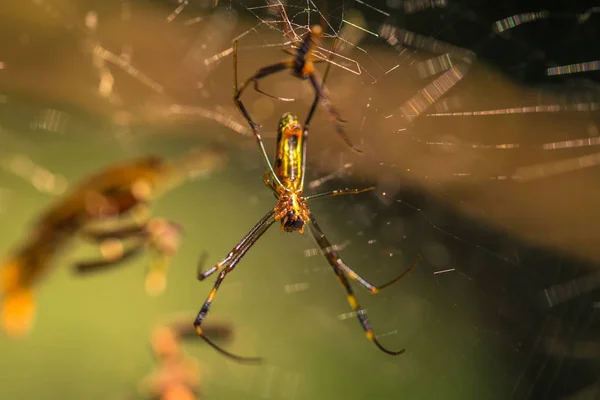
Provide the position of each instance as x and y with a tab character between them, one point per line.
159	236
178	375
302	66
110	195
286	180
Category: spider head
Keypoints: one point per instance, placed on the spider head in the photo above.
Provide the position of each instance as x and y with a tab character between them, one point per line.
293	212
292	221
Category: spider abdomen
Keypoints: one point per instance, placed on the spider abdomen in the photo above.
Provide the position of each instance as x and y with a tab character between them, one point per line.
290	151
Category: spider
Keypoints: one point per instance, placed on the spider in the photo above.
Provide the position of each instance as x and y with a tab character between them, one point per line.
109	195
286	181
161	237
301	63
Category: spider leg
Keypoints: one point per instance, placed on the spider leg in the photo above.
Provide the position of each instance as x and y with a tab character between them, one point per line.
180	325
91	266
337	264
351	274
286	99
247	242
309	118
163	239
263	73
156	278
329	63
339	192
200	266
327	248
100	235
266	220
311	112
333	113
318	94
253	125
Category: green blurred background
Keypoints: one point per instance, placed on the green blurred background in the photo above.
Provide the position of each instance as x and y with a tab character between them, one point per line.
475	332
90	340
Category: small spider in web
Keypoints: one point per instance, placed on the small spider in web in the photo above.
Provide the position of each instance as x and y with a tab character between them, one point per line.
301	63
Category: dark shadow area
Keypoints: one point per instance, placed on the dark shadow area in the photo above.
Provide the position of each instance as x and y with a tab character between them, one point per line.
504	277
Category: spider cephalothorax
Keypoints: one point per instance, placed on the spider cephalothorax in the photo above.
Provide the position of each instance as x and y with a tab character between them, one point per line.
293	213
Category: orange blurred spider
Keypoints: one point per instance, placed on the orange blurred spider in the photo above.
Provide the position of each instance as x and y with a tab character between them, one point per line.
108	195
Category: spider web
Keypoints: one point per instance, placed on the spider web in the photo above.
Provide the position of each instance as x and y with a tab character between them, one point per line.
478	129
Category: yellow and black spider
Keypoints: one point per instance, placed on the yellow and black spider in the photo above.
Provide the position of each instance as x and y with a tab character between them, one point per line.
286	180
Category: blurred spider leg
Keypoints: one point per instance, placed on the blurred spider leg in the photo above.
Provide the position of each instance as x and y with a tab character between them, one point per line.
339	192
320	89
139	215
253	125
91	266
266	71
329	64
156	278
97	235
100	235
333	113
238	247
264	226
336	263
263	73
309	118
311	112
200	266
163	242
318	93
